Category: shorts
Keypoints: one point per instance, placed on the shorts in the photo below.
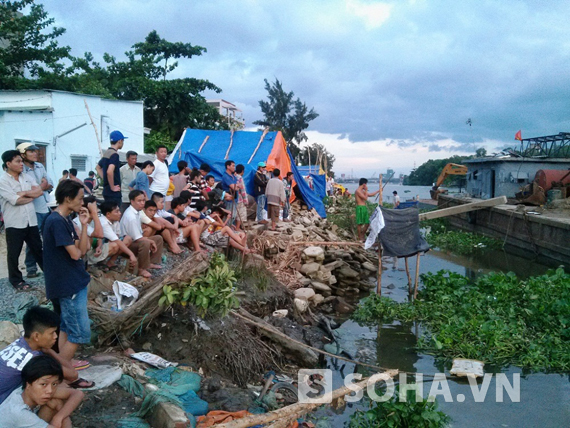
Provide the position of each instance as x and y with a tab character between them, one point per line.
241	212
215	239
362	215
273	212
74	317
180	239
92	259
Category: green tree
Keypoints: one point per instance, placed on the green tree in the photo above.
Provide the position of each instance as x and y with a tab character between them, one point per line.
28	45
170	104
481	152
317	154
282	113
426	174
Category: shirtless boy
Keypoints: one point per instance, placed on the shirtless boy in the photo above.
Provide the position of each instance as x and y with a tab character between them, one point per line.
362	216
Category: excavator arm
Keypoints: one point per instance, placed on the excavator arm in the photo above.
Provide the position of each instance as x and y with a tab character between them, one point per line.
449	169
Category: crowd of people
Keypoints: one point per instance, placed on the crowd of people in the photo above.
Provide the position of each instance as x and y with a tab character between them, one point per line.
143	209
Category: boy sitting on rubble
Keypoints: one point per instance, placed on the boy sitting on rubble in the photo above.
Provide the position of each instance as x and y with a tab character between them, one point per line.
217	233
190	228
118	244
157	225
147	250
41	401
40	334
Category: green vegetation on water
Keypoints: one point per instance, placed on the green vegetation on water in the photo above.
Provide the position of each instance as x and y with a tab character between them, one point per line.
497	318
400	413
438	235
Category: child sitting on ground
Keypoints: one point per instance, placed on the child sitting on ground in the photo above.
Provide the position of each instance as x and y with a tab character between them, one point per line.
41	401
40	334
218	234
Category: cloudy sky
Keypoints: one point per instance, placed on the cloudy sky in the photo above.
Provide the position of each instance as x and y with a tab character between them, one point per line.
394	82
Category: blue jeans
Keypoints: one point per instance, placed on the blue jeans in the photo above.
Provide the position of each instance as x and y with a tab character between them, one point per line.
31	267
286	209
74	317
261	199
231	206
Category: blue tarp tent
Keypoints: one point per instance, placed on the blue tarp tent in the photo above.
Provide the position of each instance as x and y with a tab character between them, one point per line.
197	146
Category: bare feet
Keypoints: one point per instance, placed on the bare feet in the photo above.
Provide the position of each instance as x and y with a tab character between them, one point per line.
145	273
175	249
153	266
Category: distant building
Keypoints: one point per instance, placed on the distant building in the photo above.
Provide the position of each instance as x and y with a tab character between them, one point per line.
59	124
493	177
228	110
506	175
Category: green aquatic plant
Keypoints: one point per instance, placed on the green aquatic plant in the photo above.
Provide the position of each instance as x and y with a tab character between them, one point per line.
497	318
395	413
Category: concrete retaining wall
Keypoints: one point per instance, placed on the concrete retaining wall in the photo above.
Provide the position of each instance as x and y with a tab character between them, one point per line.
541	237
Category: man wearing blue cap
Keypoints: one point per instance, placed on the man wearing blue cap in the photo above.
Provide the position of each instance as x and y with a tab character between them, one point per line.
108	168
260	183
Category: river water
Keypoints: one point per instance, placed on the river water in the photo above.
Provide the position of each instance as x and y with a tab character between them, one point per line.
544	398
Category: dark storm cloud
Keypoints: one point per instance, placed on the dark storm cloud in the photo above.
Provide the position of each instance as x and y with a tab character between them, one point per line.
408	72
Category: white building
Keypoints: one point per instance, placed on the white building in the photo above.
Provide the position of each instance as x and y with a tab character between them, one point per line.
228	110
59	124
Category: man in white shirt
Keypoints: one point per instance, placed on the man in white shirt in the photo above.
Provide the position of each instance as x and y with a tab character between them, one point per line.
160	179
129	172
118	244
37	172
147	250
396	199
17	194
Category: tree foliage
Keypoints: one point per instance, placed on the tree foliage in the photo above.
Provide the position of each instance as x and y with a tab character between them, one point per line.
282	113
316	154
426	174
28	44
32	58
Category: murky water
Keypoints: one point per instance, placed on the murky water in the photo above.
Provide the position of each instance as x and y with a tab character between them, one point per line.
544	398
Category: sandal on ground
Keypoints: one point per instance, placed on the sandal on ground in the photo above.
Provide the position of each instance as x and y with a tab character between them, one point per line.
81	383
22	286
81	365
32	275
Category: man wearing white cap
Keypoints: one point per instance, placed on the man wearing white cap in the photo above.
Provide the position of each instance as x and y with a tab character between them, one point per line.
37	172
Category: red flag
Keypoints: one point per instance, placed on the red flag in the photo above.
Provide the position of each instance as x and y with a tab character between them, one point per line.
518	136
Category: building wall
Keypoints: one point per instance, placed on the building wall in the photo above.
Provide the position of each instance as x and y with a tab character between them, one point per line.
68	112
509	176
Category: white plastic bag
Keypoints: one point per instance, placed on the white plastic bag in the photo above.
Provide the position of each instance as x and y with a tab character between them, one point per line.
126	294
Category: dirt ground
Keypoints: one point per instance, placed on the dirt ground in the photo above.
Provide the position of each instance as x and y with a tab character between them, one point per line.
103	408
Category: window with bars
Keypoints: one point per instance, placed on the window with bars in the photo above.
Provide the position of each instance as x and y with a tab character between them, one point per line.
79	163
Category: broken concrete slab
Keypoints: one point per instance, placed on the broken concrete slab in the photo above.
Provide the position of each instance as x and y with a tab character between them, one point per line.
304	293
310	268
168	415
103	375
316	253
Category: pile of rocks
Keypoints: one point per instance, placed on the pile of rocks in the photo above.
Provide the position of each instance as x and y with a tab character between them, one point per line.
317	272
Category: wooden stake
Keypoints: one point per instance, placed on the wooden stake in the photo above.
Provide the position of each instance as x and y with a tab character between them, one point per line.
324	243
231	143
95	128
417	275
409	277
203	143
379	278
265	131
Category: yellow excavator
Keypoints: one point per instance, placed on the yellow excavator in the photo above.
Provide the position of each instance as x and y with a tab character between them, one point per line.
449	169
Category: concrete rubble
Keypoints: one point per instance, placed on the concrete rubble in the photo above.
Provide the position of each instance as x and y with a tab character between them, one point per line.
318	271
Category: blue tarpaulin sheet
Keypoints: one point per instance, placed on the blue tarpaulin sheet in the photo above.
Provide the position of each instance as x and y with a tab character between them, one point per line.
244	144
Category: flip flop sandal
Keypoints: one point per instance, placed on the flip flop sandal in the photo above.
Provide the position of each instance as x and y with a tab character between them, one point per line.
23	286
81	383
81	365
